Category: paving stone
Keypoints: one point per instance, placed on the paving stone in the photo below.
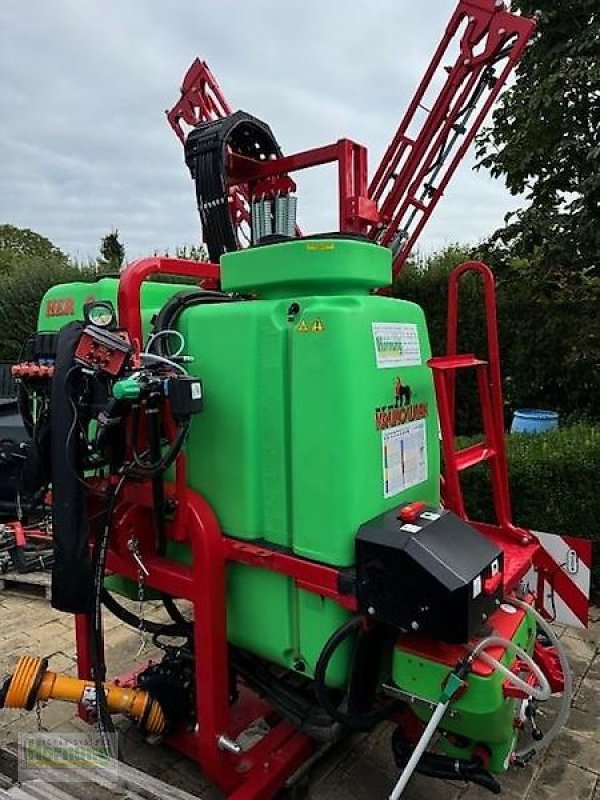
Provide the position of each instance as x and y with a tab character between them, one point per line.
558	779
579	648
594	670
583	722
56	716
138	753
587	696
51	637
580	748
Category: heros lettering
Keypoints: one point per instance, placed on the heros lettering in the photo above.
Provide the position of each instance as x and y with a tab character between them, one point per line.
60	307
391	416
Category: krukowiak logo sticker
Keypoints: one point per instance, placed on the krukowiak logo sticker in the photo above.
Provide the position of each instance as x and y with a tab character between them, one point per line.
403	410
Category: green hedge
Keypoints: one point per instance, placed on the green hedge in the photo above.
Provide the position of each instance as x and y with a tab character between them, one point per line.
549	335
554	480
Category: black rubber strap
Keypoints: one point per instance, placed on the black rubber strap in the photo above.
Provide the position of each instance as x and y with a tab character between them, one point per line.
206	151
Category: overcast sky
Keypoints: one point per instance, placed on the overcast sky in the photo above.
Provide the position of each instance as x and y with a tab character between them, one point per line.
85	146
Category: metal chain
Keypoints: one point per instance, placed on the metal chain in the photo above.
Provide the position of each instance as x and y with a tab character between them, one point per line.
38	716
141	625
133	547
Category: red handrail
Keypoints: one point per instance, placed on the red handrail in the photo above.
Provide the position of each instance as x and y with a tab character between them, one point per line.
490	389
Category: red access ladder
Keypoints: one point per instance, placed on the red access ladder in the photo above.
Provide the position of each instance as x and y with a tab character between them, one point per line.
491	449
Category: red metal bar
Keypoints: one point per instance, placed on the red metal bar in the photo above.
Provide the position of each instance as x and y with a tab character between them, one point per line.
243	169
452	493
493	343
356	209
489	378
201	100
263	769
308	575
137	272
210	640
417	167
84	658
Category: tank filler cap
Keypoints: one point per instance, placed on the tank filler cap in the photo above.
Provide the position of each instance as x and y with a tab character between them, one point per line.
329	265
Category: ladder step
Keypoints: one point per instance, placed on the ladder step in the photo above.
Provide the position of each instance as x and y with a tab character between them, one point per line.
455	362
473	455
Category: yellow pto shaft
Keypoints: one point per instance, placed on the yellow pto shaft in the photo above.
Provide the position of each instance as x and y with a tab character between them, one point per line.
31	682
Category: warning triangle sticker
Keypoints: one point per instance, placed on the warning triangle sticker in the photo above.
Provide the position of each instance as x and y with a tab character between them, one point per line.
302	327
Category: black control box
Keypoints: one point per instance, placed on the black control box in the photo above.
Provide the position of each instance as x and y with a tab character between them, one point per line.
425	570
185	396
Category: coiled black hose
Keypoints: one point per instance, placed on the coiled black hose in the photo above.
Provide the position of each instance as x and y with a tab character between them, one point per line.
357	721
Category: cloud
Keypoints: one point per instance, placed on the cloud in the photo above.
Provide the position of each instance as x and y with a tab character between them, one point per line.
85	147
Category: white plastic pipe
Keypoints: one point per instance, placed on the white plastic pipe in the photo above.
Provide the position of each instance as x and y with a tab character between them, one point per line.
156	359
527	753
422	745
540	692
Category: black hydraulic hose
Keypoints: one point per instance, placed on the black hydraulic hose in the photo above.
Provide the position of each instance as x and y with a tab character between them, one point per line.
290	702
24	408
436	765
158	489
143	470
105	722
170	312
357	721
171	608
207	151
433	765
133	620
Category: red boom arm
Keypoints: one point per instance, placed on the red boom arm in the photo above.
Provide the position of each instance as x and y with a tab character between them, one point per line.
417	166
430	142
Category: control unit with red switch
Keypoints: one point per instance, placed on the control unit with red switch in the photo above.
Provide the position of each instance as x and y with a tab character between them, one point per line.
425	569
103	350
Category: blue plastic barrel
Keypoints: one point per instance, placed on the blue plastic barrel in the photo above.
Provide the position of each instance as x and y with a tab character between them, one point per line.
533	420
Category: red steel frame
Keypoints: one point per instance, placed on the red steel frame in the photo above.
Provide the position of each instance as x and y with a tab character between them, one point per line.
356	210
421	159
261	771
402	184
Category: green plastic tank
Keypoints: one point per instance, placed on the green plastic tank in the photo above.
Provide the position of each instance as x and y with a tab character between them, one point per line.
64	303
319	414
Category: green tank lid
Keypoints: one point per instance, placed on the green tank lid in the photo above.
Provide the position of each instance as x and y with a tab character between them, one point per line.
310	266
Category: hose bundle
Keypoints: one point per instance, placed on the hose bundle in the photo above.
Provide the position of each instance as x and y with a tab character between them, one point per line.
206	152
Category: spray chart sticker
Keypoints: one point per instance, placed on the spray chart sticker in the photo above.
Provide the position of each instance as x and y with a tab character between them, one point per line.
404	457
396	344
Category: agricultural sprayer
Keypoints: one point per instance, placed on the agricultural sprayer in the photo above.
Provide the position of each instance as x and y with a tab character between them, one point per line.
264	442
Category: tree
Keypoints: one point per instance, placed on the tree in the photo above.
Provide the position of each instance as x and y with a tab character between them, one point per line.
22	248
112	251
545	141
21	292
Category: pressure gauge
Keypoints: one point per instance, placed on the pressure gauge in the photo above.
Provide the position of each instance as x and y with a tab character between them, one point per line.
100	313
